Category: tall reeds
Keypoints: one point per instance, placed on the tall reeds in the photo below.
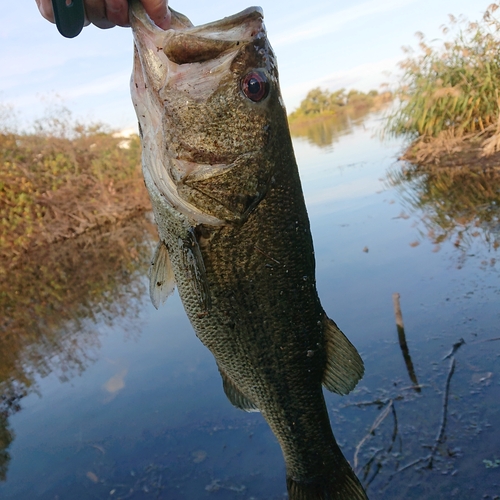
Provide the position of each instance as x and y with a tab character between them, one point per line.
452	88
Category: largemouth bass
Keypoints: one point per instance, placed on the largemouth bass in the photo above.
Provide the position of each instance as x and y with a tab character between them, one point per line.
234	233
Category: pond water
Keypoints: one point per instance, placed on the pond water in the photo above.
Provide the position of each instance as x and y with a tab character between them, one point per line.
105	397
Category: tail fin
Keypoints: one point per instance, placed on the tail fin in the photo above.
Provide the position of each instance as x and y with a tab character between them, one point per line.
341	485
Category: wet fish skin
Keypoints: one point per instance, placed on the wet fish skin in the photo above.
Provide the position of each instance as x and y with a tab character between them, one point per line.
235	235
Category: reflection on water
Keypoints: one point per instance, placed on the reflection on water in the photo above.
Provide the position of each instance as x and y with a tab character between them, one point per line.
325	131
460	205
146	417
49	303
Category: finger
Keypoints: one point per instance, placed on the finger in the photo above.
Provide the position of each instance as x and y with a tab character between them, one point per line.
117	12
158	12
45	8
96	14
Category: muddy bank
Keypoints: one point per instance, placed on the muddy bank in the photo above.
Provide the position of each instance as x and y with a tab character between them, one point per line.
452	152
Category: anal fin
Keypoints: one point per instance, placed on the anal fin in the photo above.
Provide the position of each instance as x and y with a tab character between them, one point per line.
161	276
234	394
344	366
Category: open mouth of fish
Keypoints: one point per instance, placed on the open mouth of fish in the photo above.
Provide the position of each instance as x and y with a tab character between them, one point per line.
175	73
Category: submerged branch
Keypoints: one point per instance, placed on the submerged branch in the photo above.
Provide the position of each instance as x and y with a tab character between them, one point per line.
374	426
402	342
444	414
442	427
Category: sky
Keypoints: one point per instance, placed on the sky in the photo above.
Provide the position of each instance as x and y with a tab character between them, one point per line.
332	44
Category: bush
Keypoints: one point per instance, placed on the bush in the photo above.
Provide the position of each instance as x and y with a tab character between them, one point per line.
454	87
62	180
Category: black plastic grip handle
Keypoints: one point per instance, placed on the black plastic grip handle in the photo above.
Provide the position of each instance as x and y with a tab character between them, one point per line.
70	17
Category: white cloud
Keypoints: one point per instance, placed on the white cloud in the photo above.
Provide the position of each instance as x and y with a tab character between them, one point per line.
334	21
114	82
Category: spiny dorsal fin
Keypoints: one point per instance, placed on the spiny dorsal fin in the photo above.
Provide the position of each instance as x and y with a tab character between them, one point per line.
235	396
161	276
344	366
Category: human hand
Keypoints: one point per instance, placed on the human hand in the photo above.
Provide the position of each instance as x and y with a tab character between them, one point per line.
109	13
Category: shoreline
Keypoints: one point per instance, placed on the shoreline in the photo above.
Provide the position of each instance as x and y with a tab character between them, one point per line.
452	153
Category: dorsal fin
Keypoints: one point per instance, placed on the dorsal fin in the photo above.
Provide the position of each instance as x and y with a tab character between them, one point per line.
344	366
234	394
161	276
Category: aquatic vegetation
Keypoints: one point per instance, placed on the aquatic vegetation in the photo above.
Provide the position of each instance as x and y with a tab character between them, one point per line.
450	93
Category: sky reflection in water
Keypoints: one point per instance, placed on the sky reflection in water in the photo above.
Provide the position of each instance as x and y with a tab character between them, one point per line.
131	405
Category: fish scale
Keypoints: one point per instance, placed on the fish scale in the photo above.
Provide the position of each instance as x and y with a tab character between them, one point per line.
234	234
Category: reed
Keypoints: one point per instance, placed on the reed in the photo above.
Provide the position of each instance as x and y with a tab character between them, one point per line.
452	88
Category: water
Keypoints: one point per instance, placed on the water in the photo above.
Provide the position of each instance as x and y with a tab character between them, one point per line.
105	397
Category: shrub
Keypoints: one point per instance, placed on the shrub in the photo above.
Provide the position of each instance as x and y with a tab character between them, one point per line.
454	87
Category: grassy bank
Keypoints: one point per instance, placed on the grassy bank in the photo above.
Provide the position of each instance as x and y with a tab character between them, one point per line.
319	104
449	101
62	180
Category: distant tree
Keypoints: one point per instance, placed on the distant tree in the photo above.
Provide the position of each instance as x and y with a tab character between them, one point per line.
319	102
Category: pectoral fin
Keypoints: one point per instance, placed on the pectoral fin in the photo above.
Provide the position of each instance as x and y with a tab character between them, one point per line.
235	396
161	276
344	366
194	267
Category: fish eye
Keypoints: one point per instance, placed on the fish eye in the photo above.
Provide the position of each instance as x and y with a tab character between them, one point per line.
255	86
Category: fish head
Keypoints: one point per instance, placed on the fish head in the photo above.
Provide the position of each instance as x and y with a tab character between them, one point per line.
209	109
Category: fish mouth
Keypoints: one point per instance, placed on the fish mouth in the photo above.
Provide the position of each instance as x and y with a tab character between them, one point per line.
194	59
160	54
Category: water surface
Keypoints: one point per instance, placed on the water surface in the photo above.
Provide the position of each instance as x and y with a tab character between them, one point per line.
104	397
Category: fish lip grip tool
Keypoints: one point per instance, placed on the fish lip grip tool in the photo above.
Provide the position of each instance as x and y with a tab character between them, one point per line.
69	16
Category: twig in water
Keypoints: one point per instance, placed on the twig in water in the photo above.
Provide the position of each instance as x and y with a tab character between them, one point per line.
455	348
485	340
375	402
374	426
444	415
